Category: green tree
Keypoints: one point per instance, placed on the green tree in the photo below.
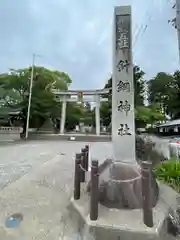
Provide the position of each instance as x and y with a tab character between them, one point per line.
15	92
162	89
105	113
139	86
74	114
174	100
89	116
147	115
106	107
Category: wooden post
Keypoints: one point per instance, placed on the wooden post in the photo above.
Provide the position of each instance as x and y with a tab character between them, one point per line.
146	168
77	177
87	157
94	191
83	150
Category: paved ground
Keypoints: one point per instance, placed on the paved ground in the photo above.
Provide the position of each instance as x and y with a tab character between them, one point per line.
18	159
37	181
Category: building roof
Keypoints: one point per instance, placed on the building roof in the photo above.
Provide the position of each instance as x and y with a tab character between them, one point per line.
170	123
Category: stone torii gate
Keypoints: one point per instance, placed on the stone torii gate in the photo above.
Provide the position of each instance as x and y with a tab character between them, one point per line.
65	96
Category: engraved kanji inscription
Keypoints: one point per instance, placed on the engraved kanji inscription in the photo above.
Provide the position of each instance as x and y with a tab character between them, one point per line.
123	86
124	107
122	40
123	65
123	130
122	32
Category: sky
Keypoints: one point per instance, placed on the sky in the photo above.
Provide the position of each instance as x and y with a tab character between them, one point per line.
75	36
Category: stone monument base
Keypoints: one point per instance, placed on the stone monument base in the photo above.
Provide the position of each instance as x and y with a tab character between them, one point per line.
120	186
124	224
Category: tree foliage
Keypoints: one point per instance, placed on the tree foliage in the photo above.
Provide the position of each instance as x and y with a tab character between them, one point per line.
139	86
164	90
14	92
143	114
106	107
147	115
168	172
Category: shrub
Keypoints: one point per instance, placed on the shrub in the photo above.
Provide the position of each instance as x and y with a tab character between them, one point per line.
169	173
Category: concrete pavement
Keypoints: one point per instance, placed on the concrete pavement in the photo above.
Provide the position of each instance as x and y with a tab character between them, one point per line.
40	178
16	160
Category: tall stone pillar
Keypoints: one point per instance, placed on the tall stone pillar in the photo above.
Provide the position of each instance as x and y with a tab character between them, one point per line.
97	114
123	124
63	115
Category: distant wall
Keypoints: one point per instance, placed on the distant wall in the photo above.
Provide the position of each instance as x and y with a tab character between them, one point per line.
164	147
10	133
155	155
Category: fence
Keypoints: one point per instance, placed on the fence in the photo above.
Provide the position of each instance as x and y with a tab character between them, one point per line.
10	133
10	130
81	169
168	148
174	150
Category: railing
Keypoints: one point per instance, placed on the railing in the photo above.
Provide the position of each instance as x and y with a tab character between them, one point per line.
81	168
10	130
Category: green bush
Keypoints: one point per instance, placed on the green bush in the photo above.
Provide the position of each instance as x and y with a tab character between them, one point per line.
169	173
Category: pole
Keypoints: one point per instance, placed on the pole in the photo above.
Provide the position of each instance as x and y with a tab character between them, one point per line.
97	113
77	177
87	157
63	115
94	200
83	164
178	23
146	168
30	96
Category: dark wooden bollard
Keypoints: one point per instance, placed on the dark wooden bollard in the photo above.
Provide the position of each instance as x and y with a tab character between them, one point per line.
83	164
77	177
94	191
146	171
87	157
